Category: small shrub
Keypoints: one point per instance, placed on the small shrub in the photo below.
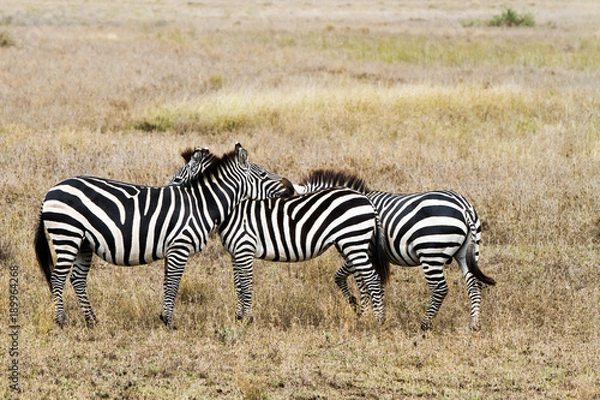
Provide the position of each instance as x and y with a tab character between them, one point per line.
215	82
6	40
510	18
5	20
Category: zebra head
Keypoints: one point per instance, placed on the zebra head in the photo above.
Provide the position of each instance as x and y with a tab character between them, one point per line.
258	182
261	183
196	162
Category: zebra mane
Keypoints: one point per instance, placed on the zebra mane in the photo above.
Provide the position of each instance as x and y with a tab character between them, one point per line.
330	178
188	153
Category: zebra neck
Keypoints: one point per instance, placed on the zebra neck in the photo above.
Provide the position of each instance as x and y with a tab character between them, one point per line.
219	200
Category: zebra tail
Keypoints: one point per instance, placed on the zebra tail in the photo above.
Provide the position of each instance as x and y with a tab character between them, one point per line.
380	259
42	252
473	266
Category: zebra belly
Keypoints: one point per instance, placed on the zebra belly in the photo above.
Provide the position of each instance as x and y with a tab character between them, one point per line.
118	257
287	253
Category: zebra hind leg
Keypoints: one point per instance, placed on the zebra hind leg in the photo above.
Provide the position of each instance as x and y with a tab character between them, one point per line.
474	291
79	283
369	284
341	280
475	296
58	280
372	290
434	275
65	257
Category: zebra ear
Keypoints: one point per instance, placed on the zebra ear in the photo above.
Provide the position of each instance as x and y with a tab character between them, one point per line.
198	155
300	189
242	155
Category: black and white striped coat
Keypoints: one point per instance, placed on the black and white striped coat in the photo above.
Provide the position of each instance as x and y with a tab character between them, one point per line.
303	227
427	229
128	224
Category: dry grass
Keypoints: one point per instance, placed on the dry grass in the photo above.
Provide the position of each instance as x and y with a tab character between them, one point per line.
402	94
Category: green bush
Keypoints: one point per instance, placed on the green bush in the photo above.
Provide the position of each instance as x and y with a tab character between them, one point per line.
510	17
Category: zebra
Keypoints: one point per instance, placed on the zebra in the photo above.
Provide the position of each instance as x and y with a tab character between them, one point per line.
301	228
427	229
129	224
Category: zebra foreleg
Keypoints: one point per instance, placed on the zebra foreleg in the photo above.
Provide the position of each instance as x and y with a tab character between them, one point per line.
242	280
174	266
341	280
439	289
78	281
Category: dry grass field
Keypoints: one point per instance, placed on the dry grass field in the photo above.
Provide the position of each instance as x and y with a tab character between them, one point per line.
411	95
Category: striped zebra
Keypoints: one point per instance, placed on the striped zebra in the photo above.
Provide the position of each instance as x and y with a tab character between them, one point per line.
427	229
128	224
301	228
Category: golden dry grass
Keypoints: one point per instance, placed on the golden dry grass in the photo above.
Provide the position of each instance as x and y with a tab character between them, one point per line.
405	94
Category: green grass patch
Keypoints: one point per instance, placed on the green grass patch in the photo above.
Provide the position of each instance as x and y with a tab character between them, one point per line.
466	52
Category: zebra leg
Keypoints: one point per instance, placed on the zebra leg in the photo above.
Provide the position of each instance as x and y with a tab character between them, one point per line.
65	257
364	293
174	265
78	281
373	290
473	289
341	280
242	280
434	274
370	287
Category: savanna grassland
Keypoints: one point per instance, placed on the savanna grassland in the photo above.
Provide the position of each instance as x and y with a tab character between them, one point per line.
410	95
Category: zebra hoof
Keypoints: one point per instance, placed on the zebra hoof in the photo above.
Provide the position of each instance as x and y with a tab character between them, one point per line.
354	303
475	325
90	323
245	319
168	322
60	320
426	324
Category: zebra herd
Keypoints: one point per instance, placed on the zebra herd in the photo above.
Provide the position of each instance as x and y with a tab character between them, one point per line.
257	214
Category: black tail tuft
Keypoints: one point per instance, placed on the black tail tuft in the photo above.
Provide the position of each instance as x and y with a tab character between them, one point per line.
474	268
380	259
42	252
